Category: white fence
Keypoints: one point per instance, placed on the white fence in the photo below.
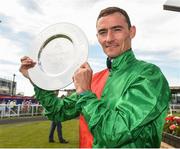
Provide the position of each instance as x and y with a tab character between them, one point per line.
20	110
174	108
36	109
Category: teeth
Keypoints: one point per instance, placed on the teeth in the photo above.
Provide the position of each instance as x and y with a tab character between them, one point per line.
110	46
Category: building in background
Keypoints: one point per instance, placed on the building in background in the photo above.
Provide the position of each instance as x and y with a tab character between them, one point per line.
7	87
175	94
172	5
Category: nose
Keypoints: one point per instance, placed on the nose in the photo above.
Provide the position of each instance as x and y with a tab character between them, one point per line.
110	36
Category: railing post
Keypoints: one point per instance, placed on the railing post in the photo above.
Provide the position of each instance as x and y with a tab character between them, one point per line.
18	111
32	106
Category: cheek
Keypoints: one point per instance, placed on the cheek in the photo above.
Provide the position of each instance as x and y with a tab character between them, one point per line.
122	36
100	40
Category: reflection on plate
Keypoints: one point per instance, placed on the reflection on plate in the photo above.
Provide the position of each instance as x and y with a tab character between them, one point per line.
58	50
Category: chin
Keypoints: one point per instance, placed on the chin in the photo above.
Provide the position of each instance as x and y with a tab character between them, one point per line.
111	55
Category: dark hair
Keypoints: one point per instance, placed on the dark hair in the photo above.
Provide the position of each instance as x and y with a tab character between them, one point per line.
110	10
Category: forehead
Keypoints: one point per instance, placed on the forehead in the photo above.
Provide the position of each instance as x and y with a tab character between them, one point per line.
111	20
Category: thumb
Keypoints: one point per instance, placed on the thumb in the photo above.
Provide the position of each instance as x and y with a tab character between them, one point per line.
85	65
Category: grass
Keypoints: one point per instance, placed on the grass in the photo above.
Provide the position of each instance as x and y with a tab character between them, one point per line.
176	114
35	135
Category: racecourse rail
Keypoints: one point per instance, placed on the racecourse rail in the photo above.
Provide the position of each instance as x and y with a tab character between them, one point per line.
19	110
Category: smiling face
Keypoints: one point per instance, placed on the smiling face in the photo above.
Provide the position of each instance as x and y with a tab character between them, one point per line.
114	35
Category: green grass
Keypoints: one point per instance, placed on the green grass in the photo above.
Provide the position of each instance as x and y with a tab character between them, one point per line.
176	114
35	135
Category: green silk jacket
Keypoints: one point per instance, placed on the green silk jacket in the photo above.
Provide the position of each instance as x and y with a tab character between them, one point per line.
132	109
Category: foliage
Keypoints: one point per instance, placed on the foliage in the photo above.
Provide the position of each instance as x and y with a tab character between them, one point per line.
172	125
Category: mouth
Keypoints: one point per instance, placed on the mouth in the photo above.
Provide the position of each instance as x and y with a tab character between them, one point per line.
111	46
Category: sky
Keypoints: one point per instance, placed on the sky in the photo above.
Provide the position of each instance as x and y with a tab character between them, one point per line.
156	40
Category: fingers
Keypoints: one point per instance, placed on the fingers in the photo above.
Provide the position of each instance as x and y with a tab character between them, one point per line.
82	78
24	58
25	61
86	66
84	70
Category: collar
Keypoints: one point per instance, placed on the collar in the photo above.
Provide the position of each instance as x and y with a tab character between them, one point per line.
109	63
121	61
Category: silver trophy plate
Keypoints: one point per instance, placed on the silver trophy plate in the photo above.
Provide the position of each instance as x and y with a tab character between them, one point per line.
59	50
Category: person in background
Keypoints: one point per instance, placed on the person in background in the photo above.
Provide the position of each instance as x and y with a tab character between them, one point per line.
59	128
59	132
122	106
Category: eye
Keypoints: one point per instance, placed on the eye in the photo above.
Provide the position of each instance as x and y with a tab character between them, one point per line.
102	32
117	29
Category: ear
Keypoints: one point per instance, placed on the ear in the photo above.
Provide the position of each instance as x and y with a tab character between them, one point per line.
97	36
132	31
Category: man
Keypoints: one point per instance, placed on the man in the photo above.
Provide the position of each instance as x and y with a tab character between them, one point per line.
59	132
133	94
59	128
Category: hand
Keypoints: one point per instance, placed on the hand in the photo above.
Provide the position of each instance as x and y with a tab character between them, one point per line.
82	78
26	63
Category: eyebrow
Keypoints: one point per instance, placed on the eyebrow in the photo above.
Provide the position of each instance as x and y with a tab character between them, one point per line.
117	26
113	27
101	30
